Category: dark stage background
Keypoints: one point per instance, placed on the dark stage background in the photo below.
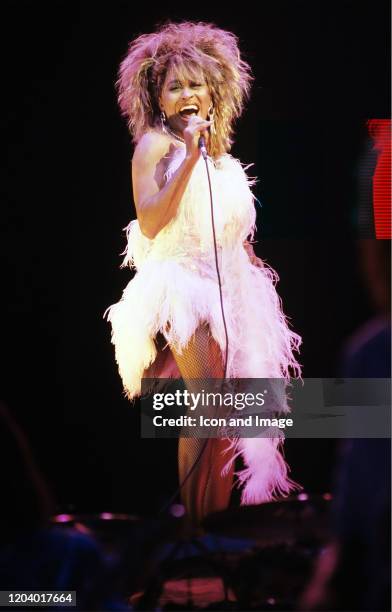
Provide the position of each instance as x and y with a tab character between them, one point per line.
321	69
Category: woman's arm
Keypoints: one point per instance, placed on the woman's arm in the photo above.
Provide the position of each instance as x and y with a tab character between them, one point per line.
156	205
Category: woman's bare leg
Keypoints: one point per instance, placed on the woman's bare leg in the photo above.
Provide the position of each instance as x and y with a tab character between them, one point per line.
206	490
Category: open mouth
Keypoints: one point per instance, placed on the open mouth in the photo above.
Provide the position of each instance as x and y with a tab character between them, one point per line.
189	110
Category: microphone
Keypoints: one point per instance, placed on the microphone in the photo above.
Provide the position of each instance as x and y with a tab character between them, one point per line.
202	147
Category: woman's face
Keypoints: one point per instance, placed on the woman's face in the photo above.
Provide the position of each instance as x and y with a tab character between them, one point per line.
183	96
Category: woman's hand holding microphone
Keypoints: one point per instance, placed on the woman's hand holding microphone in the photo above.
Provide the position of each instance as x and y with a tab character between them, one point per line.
196	127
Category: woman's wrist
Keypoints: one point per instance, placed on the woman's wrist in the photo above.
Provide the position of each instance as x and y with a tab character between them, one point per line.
191	159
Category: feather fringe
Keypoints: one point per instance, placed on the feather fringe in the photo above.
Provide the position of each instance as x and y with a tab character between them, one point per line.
265	478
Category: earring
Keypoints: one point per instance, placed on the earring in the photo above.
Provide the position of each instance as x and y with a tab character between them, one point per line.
211	117
163	120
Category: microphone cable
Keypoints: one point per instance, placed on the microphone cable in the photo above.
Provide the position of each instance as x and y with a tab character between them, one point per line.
203	150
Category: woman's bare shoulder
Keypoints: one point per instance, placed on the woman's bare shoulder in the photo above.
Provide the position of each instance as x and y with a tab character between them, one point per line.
153	144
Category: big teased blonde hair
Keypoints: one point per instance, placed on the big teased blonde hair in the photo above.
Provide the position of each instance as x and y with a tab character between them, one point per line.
191	49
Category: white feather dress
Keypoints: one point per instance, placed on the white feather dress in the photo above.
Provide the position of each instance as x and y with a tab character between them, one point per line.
176	283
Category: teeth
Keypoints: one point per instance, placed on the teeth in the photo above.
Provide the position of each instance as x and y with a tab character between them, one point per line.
191	107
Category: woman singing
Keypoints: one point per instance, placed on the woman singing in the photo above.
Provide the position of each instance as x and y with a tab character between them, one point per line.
184	81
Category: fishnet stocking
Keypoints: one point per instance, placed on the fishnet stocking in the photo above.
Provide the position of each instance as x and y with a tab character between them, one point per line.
206	490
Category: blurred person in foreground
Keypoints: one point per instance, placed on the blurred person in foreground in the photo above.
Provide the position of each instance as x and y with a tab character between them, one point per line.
354	570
